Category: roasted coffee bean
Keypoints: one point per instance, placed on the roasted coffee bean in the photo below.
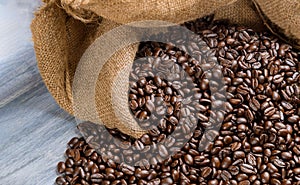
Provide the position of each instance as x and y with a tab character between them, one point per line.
251	159
296	171
244	182
189	159
234	170
269	111
265	177
257	149
213	182
279	163
241	177
286	155
216	162
70	153
166	181
239	155
133	104
226	162
61	167
258	141
73	141
163	152
225	175
248	169
206	171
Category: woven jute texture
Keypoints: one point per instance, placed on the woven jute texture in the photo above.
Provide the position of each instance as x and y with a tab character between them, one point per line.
126	11
63	29
241	12
282	18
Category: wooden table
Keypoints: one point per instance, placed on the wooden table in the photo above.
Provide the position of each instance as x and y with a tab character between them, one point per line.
33	129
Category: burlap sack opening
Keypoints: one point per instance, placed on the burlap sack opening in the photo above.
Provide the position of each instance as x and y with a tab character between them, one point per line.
61	36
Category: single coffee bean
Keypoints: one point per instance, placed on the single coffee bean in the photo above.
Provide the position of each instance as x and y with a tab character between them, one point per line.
234	170
61	167
216	162
269	111
226	162
163	152
265	177
251	159
60	180
238	154
133	105
189	159
244	182
167	181
286	155
296	171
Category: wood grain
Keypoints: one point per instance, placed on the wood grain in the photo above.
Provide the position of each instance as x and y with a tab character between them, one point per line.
33	129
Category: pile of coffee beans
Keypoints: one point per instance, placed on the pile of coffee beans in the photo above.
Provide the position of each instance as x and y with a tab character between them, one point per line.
171	95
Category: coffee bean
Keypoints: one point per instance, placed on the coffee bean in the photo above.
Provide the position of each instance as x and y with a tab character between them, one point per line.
251	159
241	120
234	170
258	140
269	111
257	149
127	169
275	181
265	177
133	105
146	139
294	119
202	117
167	181
61	167
189	159
279	163
286	155
296	171
70	153
60	180
69	171
236	146
277	79
247	169
238	154
244	182
163	152
226	162
225	175
73	141
235	101
241	177
142	115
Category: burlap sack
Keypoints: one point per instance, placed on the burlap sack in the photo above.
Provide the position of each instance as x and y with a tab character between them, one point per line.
282	18
175	11
61	35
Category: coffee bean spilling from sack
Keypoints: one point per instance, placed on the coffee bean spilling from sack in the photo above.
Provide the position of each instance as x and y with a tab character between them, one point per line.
259	139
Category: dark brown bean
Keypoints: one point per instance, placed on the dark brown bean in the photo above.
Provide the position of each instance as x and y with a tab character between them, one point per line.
265	177
226	162
189	159
61	167
244	182
60	180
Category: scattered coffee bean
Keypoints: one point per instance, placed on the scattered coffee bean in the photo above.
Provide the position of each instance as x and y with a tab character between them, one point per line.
259	139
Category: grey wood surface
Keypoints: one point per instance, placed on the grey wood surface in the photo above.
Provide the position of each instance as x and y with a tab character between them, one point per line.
33	129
